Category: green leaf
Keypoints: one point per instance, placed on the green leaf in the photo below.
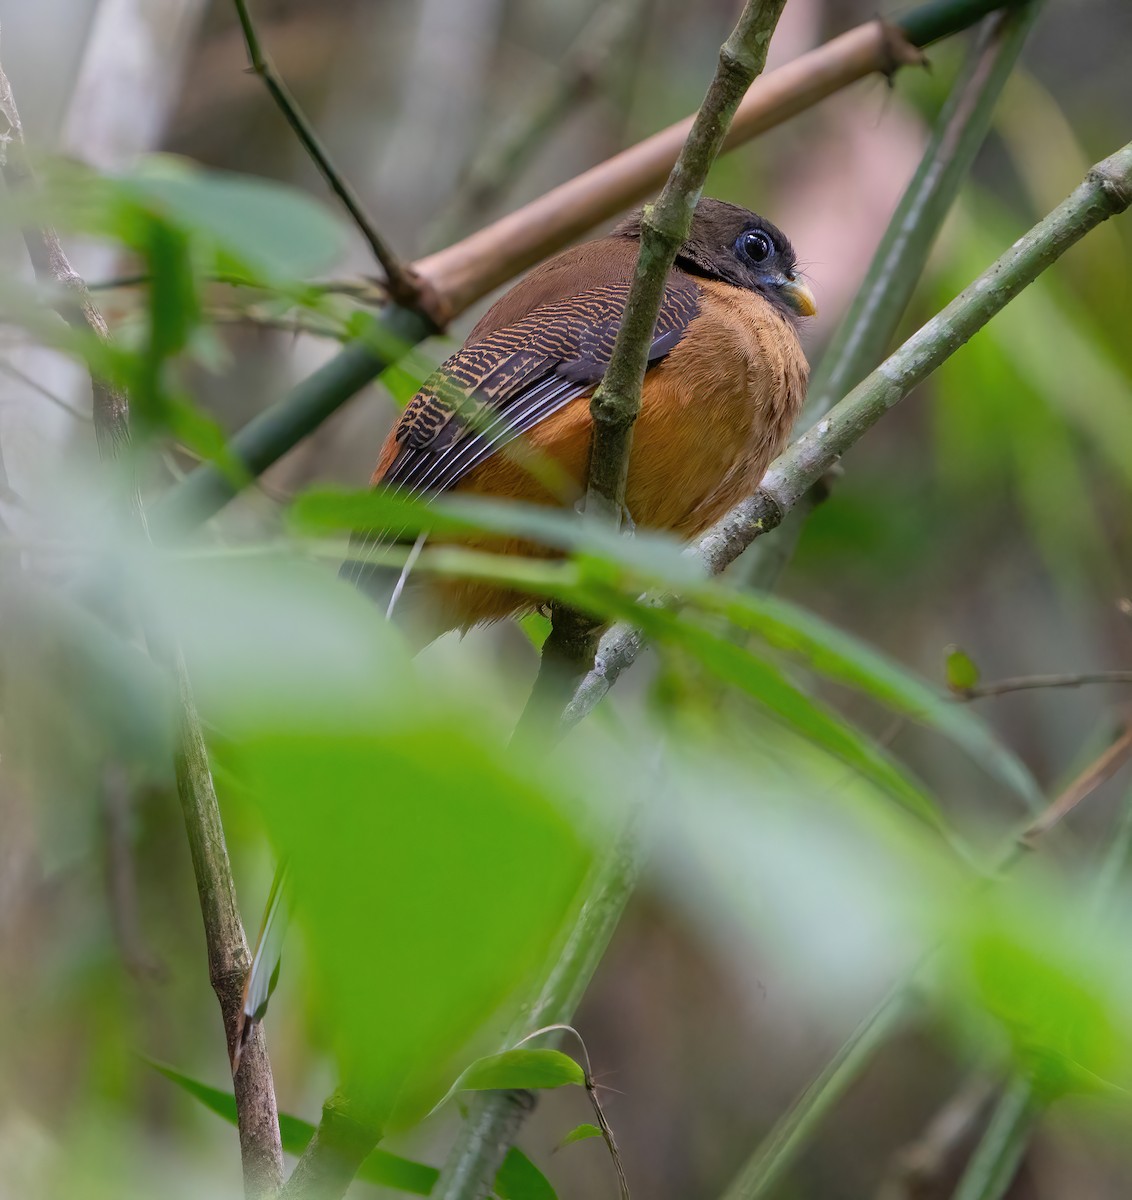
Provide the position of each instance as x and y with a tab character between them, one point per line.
841	657
518	1069
766	684
657	557
580	1133
521	1068
380	1168
961	671
271	229
520	1179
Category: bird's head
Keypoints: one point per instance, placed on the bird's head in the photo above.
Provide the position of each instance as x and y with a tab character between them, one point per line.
730	244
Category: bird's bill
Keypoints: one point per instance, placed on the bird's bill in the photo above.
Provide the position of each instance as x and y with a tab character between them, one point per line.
799	297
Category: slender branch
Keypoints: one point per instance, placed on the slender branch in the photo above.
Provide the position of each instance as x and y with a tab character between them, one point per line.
996	1160
405	287
1025	683
228	956
921	1170
493	1123
763	1171
1106	191
1096	773
52	267
664	227
897	267
478	264
343	1140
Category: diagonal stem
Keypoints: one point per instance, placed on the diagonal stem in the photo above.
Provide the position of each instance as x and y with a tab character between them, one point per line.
664	227
405	287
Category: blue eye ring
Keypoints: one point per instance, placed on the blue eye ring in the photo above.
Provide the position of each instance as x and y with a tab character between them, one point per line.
756	245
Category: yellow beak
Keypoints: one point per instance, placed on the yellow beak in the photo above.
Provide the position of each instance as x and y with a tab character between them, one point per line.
799	297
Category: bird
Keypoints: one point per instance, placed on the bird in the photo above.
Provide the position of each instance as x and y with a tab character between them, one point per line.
726	378
507	416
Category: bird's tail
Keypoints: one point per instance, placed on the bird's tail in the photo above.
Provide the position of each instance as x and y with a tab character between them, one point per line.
263	974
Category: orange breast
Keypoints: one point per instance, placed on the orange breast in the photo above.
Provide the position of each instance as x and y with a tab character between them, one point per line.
714	413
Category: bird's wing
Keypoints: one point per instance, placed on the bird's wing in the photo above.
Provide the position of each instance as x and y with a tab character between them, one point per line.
499	387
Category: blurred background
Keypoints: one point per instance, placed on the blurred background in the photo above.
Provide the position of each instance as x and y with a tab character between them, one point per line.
990	512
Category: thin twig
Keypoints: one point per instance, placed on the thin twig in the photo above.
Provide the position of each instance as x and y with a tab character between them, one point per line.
1091	778
926	1168
405	286
1106	191
11	369
1025	683
228	956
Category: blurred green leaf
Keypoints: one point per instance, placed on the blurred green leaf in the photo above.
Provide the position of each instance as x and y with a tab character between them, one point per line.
580	1133
381	1167
274	230
961	671
841	657
766	684
520	1179
657	556
430	875
1055	983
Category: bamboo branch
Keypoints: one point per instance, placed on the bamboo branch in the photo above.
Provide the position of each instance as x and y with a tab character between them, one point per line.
404	285
228	956
1106	191
478	264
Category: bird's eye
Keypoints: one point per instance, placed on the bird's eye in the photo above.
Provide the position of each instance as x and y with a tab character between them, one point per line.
756	245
